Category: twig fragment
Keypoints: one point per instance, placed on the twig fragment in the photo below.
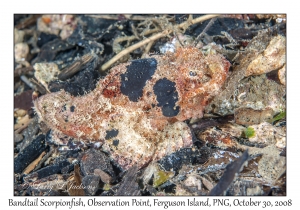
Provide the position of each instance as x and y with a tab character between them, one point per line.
32	165
132	48
210	23
166	32
117	17
147	49
27	82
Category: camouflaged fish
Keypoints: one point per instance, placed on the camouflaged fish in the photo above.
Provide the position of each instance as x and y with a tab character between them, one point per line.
137	111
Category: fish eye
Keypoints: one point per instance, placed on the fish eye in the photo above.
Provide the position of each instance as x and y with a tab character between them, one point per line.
193	73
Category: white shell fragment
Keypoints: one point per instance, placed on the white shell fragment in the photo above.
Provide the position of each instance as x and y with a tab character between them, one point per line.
271	59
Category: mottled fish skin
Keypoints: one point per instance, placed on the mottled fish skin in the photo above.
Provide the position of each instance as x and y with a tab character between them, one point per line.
137	110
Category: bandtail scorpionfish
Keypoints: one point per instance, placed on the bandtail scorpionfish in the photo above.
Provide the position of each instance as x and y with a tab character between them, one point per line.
137	111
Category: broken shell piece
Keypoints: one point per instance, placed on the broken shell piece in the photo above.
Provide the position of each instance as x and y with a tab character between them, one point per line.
193	181
266	133
255	191
271	164
45	72
282	75
272	58
248	116
181	191
207	183
21	51
269	94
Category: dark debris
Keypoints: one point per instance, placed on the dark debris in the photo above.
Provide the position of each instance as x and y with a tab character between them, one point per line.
129	186
79	58
29	154
229	175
